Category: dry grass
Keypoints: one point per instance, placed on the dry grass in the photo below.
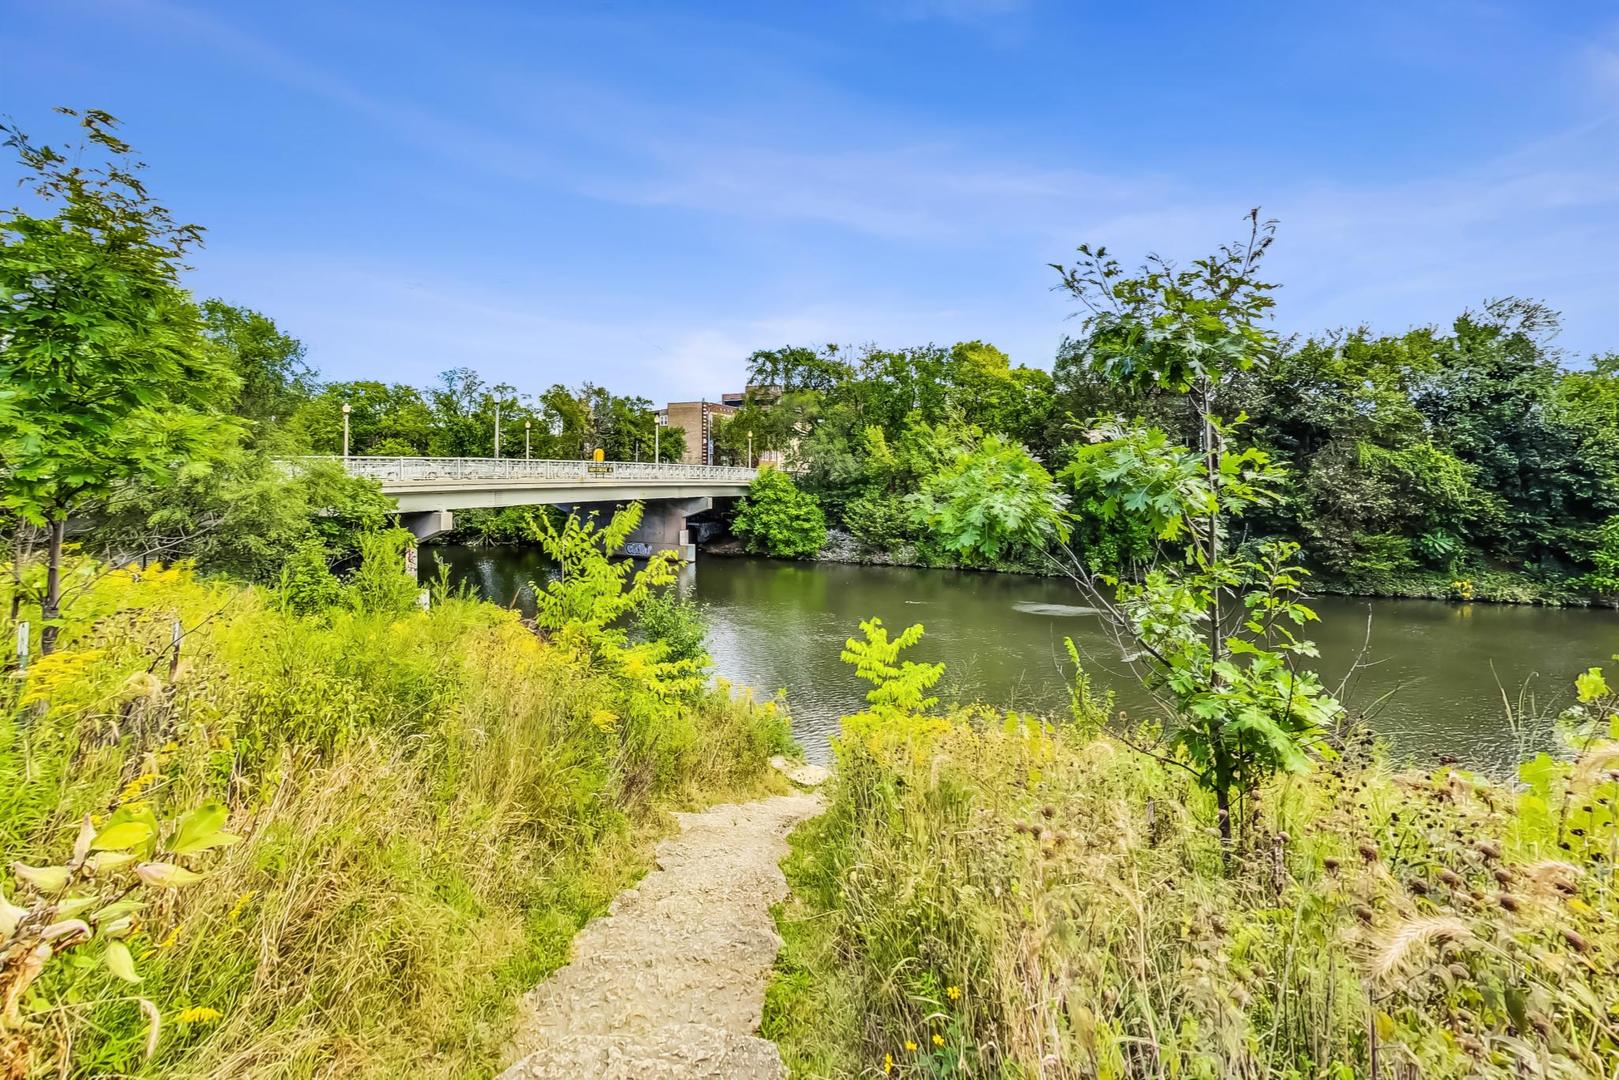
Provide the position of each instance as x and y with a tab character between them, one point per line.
1004	900
431	805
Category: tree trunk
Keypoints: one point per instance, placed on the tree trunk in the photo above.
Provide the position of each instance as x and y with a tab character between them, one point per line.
51	609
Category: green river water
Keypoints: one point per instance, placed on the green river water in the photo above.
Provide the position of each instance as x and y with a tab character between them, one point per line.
1440	674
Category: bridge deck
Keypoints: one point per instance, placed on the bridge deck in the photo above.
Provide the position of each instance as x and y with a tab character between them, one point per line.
460	483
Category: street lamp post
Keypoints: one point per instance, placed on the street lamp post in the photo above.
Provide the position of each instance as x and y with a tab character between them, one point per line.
497	431
750	449
658	420
526	425
345	431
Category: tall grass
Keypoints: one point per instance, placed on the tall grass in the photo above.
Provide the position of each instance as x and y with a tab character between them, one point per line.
992	896
431	803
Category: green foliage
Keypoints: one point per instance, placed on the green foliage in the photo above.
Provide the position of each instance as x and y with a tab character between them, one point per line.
106	374
1605	558
898	688
677	623
274	378
776	518
307	582
105	377
992	500
380	585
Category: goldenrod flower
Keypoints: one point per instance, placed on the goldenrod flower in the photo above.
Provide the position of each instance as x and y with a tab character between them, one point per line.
133	789
237	908
198	1014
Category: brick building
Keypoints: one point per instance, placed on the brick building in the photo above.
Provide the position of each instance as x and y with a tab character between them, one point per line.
696	419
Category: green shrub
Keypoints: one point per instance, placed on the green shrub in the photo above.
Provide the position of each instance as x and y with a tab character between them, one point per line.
307	582
678	623
776	518
380	584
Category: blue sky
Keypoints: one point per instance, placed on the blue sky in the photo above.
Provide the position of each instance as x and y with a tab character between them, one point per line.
641	195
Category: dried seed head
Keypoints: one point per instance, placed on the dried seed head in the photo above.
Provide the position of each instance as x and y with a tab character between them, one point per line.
1368	850
1488	848
1364	914
1578	943
1509	902
1451	878
1331	864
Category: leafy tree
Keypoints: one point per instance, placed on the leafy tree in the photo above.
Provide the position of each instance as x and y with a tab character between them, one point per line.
270	365
776	518
1215	626
1493	403
106	376
991	501
384	419
241	515
1212	626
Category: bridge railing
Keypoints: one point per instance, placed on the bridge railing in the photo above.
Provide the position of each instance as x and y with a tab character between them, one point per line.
408	470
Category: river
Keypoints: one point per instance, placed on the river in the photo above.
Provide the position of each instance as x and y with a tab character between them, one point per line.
1435	676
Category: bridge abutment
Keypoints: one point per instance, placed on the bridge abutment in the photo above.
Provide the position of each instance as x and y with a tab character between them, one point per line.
662	528
426	524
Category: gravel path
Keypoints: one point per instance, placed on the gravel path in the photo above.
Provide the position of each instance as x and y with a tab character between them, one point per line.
670	983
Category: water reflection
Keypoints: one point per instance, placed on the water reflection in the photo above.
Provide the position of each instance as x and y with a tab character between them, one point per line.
1441	672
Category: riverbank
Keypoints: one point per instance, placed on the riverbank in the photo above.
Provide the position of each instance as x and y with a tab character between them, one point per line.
990	896
418	810
1490	585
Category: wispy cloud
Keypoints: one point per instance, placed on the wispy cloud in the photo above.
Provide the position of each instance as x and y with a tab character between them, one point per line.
840	178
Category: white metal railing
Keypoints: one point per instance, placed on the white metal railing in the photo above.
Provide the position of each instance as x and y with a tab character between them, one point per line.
423	470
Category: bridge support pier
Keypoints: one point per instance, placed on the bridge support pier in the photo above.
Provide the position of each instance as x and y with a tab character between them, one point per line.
662	528
426	524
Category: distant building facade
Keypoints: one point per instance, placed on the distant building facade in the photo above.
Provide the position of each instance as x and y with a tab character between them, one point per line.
696	420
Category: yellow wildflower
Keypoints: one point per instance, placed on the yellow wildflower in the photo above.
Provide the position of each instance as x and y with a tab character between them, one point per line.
133	789
910	1047
953	993
888	1064
170	938
604	719
938	1040
197	1014
240	905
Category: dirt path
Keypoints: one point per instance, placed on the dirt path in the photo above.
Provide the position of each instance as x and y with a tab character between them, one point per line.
670	983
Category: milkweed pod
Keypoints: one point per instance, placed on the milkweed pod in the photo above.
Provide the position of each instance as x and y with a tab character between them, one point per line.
46	879
65	928
120	962
73	905
87	833
10	916
117	928
104	861
162	875
118	909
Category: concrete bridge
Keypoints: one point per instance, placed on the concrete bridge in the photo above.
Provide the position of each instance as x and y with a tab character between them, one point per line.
428	491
